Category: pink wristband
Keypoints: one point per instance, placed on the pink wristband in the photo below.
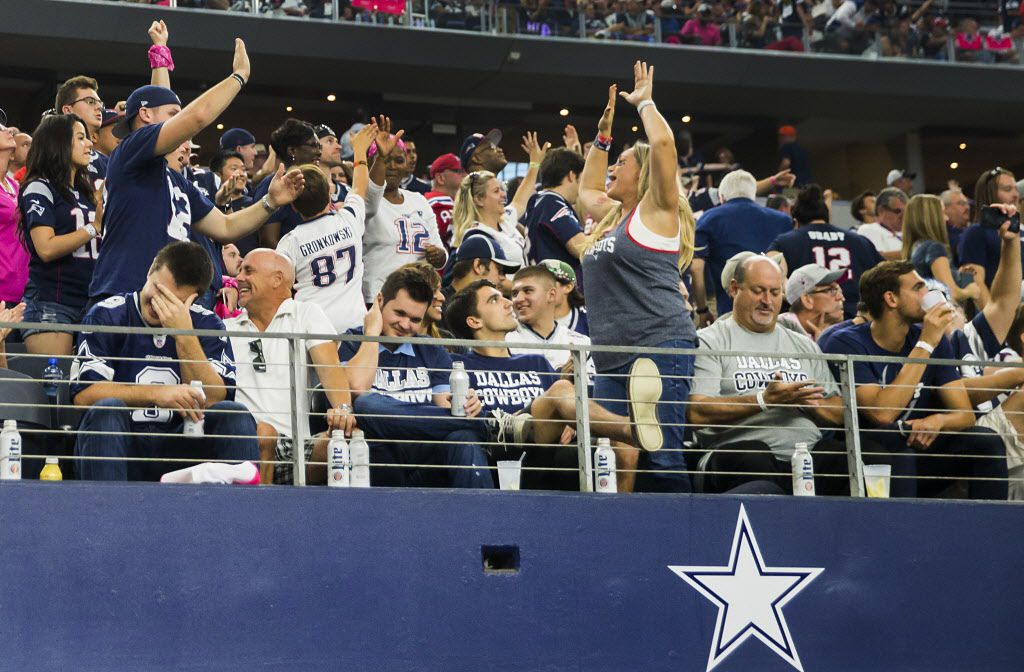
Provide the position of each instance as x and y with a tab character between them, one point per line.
160	57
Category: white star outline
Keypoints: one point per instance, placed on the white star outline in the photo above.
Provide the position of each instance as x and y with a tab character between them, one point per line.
749	597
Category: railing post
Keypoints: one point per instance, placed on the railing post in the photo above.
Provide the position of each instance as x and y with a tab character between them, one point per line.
334	11
297	364
579	379
733	41
583	25
950	48
854	459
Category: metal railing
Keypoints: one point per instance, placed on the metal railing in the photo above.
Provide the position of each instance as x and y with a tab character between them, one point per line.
923	41
575	409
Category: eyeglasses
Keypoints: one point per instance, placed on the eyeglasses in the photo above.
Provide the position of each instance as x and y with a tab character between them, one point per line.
91	101
834	290
259	364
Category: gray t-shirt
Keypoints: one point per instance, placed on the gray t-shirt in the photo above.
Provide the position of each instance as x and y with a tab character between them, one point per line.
740	375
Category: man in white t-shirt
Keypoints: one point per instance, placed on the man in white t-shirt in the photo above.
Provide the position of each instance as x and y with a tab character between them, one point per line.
263	368
887	234
326	250
534	298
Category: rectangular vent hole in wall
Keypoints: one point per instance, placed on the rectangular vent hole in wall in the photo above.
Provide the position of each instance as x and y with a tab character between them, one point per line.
500	559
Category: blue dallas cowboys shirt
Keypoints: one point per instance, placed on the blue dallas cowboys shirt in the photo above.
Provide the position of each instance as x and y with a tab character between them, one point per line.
508	383
857	340
146	360
551	223
148	205
64	280
412	373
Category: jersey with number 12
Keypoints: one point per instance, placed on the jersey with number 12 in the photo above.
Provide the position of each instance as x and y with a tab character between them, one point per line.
327	253
396	234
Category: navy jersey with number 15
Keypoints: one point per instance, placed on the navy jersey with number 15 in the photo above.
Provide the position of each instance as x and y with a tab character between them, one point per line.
147	206
64	280
145	359
832	248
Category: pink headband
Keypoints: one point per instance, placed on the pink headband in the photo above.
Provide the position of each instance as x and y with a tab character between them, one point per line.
373	148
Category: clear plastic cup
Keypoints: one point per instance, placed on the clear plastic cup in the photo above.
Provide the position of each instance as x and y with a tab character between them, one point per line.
509	474
876	479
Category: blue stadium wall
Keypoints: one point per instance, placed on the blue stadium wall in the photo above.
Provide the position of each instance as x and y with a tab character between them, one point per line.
148	577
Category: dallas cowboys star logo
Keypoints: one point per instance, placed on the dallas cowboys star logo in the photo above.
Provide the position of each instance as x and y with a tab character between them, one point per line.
749	596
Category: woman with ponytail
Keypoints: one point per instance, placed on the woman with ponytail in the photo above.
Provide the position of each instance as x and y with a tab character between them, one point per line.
631	268
480	205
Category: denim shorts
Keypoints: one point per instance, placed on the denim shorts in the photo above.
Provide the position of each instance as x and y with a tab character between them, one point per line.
56	313
610	391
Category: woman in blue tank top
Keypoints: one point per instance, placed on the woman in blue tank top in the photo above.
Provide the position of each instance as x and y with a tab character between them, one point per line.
631	269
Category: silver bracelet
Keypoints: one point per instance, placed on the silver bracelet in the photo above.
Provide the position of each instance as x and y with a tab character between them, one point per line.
345	408
760	400
265	202
91	230
644	104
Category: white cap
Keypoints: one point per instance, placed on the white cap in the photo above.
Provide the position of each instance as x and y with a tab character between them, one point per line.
806	278
897	173
729	270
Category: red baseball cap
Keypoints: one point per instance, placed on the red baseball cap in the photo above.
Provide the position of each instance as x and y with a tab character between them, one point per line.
788	131
445	162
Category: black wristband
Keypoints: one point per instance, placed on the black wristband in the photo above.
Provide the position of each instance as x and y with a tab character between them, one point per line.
238	78
703	311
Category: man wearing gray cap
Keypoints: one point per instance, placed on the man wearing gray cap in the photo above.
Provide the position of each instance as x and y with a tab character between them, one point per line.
751	408
815	300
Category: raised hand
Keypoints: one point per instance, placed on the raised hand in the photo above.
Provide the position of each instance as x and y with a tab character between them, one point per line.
386	140
643	84
285	187
158	33
571	139
533	147
240	64
362	139
604	124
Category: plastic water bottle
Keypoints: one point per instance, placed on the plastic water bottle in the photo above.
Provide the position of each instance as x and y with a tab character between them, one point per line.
52	377
51	472
194	427
10	452
338	461
359	451
604	467
803	471
459	382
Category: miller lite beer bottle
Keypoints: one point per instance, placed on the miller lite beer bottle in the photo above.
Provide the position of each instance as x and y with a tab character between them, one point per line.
604	467
803	471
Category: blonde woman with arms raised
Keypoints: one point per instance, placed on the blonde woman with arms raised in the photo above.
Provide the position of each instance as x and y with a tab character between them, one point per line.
631	268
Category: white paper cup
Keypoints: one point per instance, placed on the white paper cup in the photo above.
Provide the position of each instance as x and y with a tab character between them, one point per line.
509	473
876	479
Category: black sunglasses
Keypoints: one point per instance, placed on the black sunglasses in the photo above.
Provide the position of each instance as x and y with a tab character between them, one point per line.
258	362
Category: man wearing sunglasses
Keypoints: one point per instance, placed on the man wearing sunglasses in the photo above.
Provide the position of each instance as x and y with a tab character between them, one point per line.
887	234
264	367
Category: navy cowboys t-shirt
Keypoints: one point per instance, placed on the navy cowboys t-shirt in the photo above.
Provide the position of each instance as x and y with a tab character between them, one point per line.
412	373
64	280
148	205
143	359
508	383
550	223
832	248
857	341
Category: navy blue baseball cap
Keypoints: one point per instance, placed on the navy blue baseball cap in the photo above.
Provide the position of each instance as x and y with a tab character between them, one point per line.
144	96
470	144
482	247
111	117
234	137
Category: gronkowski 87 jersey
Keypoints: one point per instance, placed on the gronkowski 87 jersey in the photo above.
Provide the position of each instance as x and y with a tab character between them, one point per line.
143	359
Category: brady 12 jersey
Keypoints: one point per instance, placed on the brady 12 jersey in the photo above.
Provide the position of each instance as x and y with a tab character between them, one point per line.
64	280
833	248
442	204
147	206
327	253
396	234
143	359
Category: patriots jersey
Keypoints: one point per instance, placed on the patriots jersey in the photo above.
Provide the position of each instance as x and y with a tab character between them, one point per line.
98	165
147	206
833	248
143	359
550	224
64	280
327	253
442	205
